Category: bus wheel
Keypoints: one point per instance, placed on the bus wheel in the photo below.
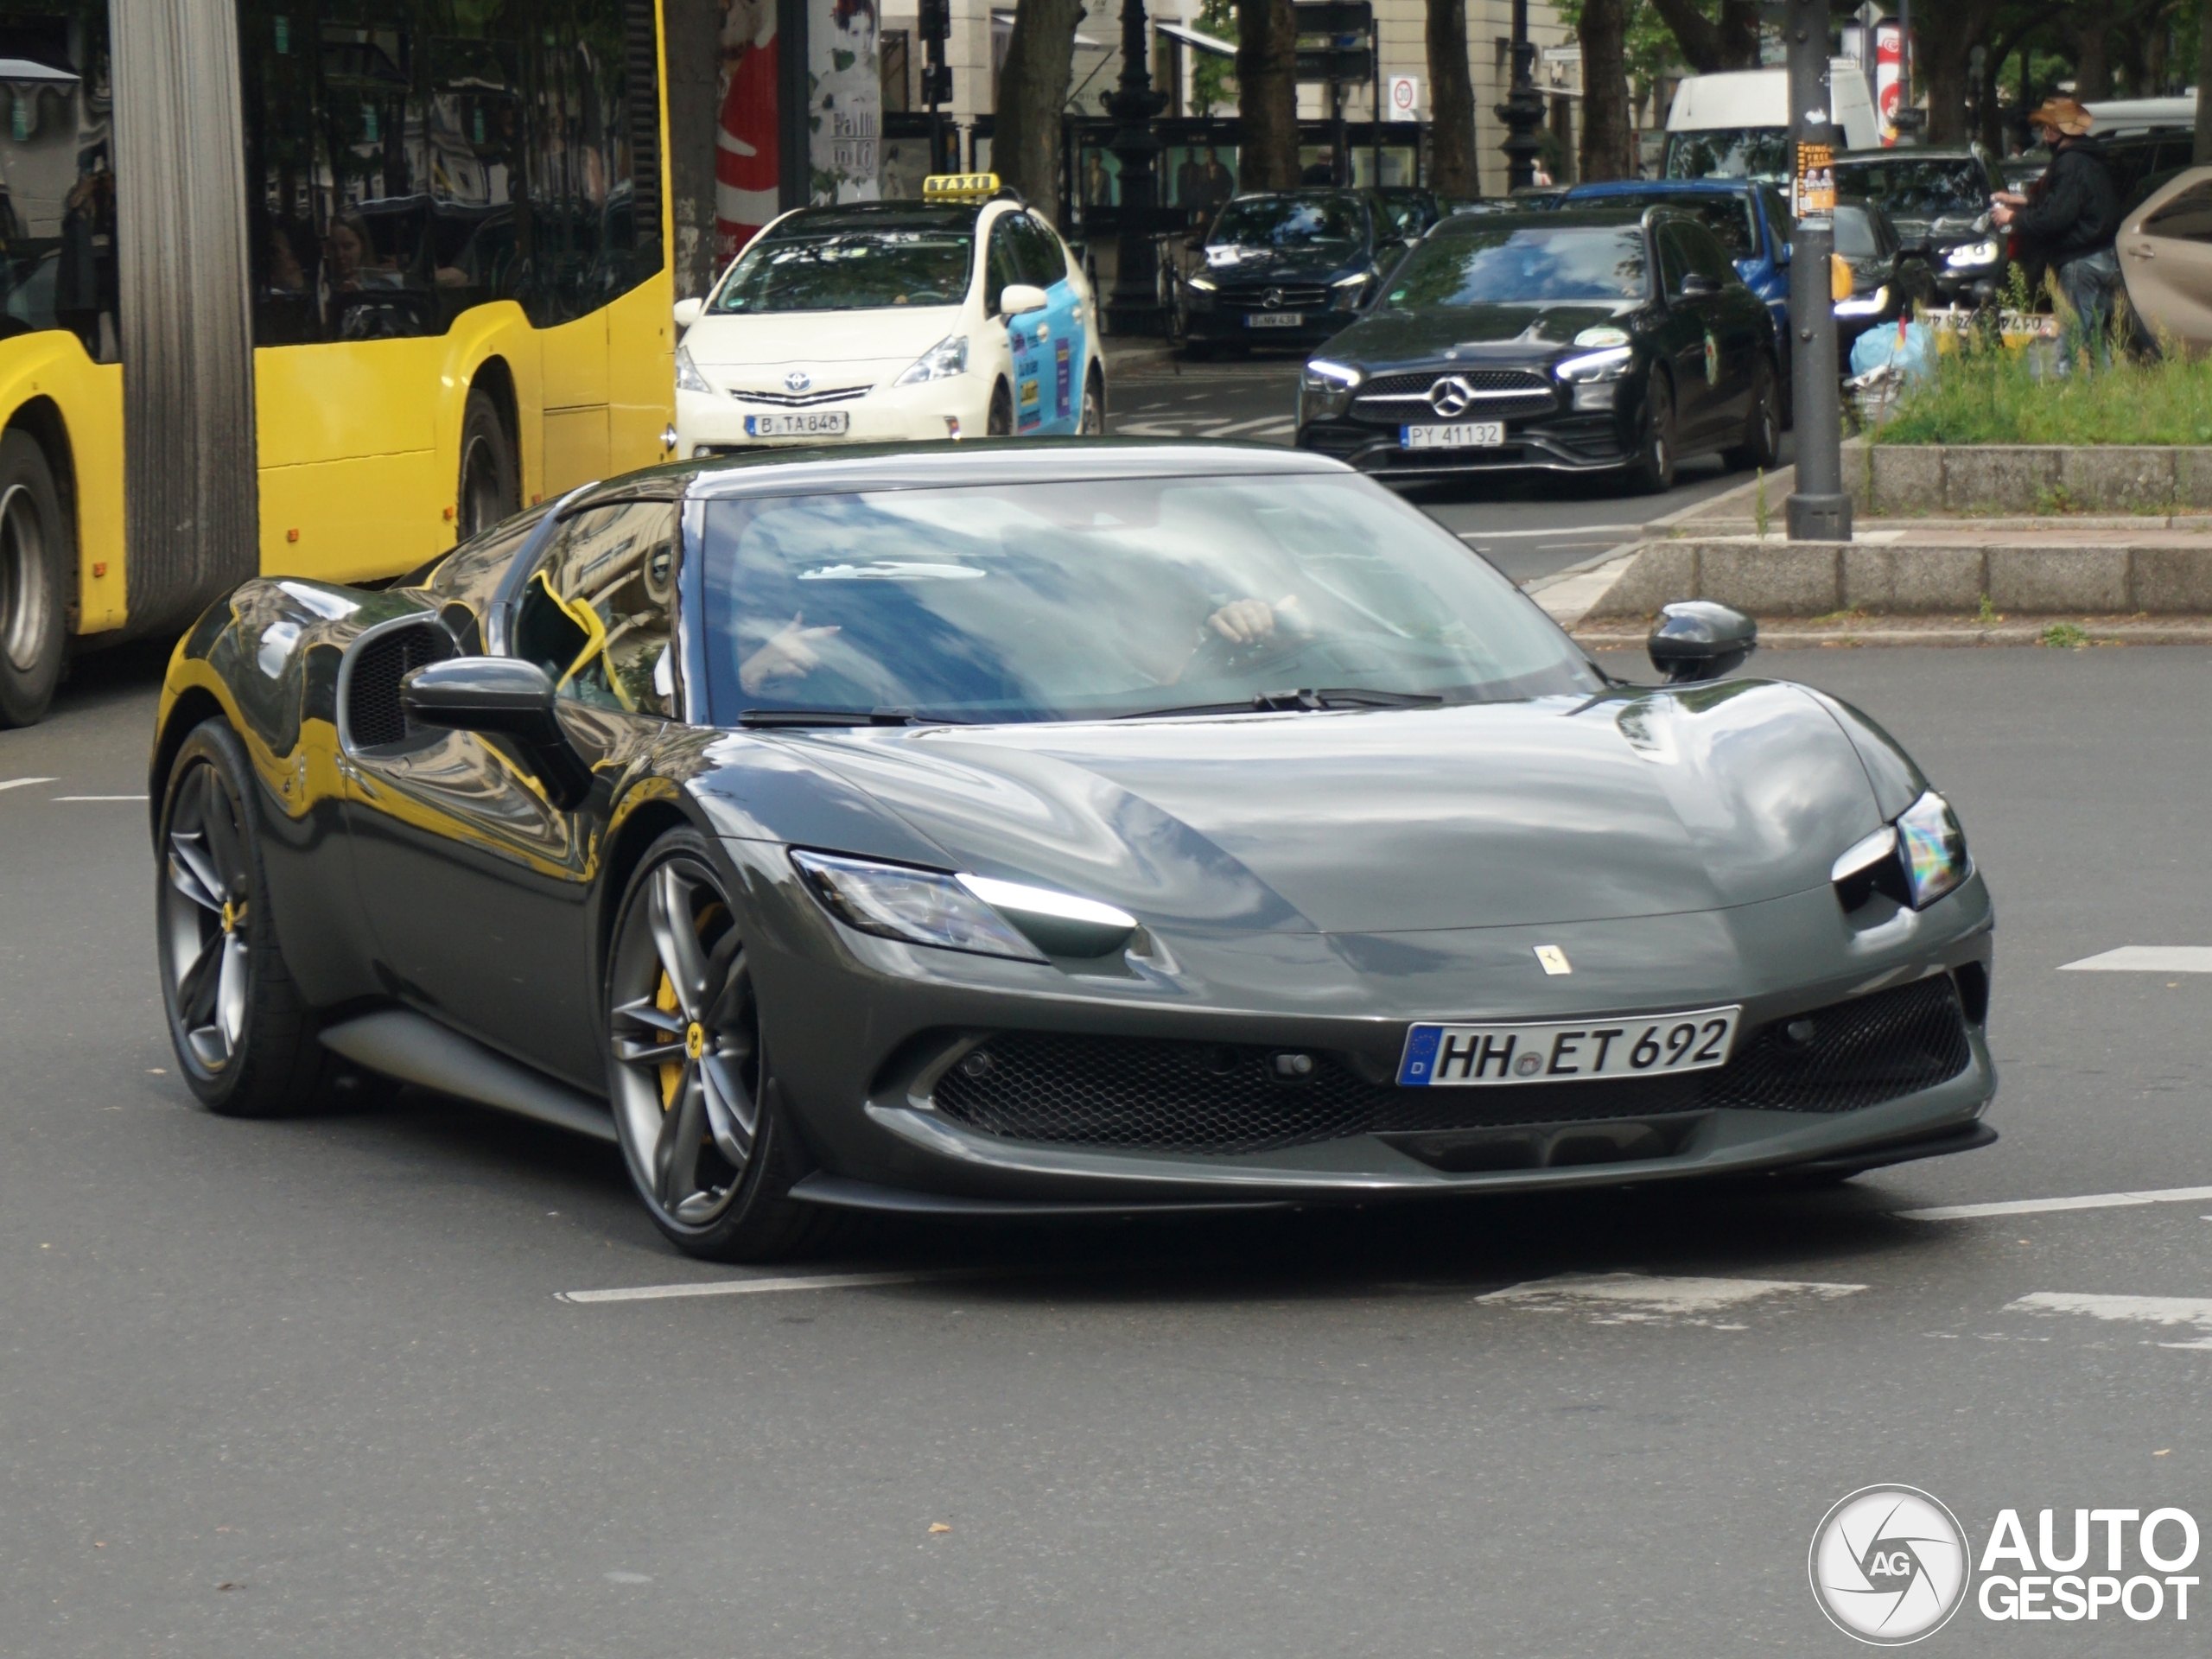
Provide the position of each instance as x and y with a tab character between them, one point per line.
34	582
488	488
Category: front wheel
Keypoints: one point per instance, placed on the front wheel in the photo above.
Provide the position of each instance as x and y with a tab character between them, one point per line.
999	423
1094	406
1652	472
243	1039
34	559
695	1106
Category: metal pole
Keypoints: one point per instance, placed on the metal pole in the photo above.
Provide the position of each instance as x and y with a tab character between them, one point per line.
1523	110
1375	132
1818	509
1134	306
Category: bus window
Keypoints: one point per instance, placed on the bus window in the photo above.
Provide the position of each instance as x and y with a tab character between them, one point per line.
414	160
57	177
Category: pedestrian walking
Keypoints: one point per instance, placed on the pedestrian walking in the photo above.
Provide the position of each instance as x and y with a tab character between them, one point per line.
2067	220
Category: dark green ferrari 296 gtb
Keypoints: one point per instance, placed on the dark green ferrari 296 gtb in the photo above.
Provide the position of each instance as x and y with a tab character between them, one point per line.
1071	828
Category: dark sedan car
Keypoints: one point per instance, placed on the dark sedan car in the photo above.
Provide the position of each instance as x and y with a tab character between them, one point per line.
1288	269
1937	200
1888	278
1074	828
1561	341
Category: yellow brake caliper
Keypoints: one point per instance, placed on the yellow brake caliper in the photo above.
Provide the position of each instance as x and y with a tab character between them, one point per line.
671	1072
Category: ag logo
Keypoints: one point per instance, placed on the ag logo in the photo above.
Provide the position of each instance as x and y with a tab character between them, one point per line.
1711	359
1889	1564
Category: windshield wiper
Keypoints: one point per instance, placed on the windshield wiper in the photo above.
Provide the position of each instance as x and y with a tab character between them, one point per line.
771	717
1307	700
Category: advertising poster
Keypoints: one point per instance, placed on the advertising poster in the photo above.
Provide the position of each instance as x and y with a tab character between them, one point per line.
846	100
1888	60
746	174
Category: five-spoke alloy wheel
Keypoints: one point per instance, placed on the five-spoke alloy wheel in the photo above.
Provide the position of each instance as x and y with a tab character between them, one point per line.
688	1071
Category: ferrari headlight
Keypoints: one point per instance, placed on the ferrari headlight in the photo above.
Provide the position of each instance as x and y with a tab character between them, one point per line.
1324	390
963	912
687	377
1933	850
1969	254
1865	305
1608	365
942	361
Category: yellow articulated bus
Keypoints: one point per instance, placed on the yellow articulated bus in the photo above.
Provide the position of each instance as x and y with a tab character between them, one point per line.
312	288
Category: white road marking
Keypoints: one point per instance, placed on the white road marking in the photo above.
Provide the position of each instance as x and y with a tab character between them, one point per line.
1638	1299
2039	1206
1147	429
1273	422
99	797
2146	959
751	1287
1556	530
2195	1311
22	783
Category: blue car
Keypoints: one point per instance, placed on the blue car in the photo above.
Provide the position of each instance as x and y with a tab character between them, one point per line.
1751	218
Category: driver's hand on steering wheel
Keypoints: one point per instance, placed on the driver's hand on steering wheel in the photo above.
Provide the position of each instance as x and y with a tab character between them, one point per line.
1244	621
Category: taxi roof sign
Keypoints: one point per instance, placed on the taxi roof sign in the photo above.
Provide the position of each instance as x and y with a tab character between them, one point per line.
943	186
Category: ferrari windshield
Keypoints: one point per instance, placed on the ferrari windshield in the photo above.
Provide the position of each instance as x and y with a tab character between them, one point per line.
1492	267
1111	598
850	270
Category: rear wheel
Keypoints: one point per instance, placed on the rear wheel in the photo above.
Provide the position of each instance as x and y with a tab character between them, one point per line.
1762	444
35	556
1652	472
999	422
489	490
243	1039
696	1104
1094	406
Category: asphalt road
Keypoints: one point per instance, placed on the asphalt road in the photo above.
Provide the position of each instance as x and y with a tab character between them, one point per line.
309	1388
1527	527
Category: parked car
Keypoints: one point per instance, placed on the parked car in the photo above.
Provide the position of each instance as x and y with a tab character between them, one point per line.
1287	267
1937	200
2165	256
1887	279
1604	341
1737	124
1411	212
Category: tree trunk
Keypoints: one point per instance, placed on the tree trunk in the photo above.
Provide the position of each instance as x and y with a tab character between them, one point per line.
1453	168
1947	35
1604	32
2092	60
1710	46
1025	144
1267	95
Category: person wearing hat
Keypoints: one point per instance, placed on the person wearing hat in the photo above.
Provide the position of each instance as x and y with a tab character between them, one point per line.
2068	217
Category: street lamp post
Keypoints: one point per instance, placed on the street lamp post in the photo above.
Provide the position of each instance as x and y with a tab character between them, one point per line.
1522	109
1818	509
1134	306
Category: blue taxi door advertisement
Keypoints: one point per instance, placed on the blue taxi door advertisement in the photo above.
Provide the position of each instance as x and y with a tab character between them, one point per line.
1029	337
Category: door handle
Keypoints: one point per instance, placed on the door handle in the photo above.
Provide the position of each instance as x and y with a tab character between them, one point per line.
2141	252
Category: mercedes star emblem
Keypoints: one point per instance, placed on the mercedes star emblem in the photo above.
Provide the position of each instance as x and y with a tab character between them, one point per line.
1451	395
1272	299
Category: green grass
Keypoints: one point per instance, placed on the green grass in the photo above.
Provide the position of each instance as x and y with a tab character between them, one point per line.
1989	394
2065	636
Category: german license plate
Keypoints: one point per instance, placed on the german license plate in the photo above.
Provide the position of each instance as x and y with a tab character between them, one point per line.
808	423
1461	434
1275	319
1647	1045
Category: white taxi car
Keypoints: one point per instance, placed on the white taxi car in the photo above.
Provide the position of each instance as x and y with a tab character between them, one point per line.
959	316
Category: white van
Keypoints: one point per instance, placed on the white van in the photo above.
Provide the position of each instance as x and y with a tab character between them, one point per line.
1737	125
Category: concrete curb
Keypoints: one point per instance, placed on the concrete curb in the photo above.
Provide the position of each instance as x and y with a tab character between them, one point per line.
1807	579
2026	478
1965	631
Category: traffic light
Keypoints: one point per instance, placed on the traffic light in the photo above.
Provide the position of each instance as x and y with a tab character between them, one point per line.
937	83
936	22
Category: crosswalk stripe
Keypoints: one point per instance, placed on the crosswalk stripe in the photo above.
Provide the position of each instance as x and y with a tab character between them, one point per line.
2039	1206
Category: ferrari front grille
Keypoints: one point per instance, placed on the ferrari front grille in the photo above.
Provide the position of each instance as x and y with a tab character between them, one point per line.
1201	1097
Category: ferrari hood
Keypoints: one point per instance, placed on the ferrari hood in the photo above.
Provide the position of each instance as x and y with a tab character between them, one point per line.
1640	803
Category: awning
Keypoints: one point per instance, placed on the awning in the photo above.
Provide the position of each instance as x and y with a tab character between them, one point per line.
1212	46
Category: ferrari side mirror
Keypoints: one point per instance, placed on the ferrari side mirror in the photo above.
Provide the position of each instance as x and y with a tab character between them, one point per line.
500	696
1698	639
